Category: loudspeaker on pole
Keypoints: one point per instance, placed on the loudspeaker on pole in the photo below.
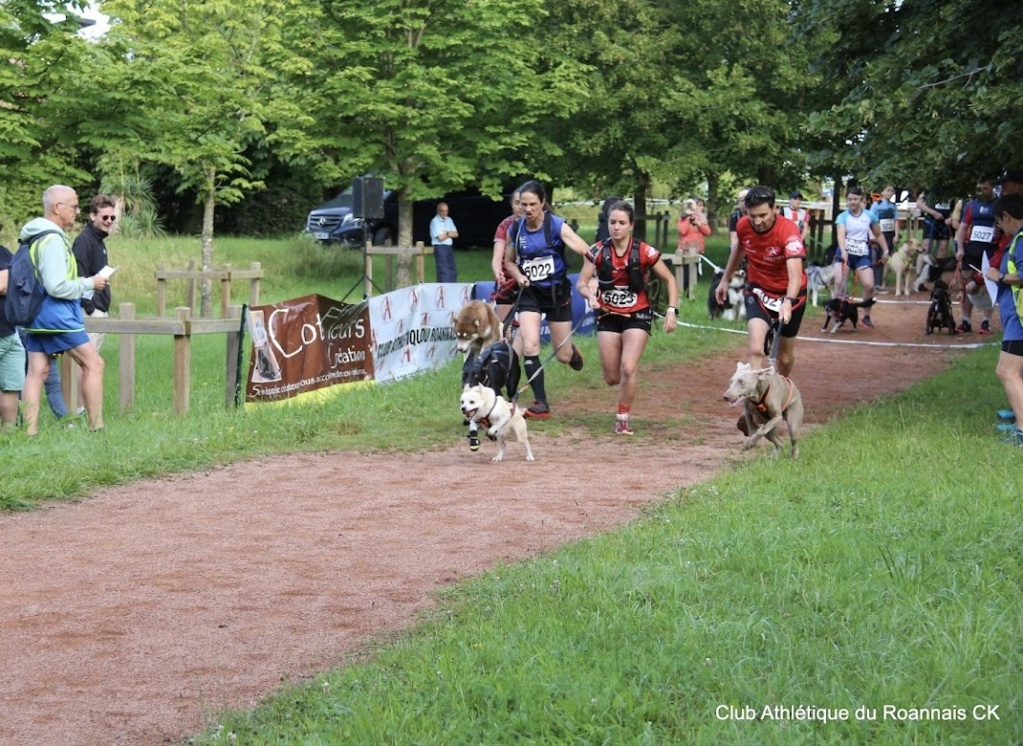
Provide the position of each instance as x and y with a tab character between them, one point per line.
368	198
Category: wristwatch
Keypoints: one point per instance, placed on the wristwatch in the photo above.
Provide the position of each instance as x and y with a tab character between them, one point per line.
673	309
792	300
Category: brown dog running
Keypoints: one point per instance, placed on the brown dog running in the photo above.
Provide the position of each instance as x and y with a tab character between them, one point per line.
476	326
767	398
903	264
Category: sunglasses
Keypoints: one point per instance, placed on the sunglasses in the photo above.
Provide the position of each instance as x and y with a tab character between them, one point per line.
107	218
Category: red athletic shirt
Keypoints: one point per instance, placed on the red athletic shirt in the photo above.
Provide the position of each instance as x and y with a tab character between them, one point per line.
766	254
501	234
621	299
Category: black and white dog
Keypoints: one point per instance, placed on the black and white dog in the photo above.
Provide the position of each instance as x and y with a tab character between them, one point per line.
733	307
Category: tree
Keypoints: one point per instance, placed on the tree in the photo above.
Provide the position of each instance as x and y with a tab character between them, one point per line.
38	55
200	75
929	91
434	96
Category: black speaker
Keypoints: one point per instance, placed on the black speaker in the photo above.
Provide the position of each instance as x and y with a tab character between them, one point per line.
368	198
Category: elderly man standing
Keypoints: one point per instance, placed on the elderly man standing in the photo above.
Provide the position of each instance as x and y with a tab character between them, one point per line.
60	327
442	231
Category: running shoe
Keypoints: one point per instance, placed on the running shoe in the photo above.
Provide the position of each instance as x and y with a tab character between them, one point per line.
539	410
1006	427
1006	415
867	322
622	425
964	327
576	363
985	327
1014	438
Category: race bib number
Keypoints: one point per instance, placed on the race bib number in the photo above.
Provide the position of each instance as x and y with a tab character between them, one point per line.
856	247
770	303
887	225
982	234
618	298
539	269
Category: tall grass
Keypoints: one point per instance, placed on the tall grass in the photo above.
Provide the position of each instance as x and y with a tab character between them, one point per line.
877	581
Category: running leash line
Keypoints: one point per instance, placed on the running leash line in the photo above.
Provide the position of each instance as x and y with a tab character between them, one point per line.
554	352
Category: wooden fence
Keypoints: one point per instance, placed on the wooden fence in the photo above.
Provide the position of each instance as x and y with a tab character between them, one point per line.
182	326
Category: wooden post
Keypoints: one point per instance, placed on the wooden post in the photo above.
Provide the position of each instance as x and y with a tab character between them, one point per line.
254	285
126	362
190	298
182	359
68	382
225	291
389	282
234	342
161	293
421	261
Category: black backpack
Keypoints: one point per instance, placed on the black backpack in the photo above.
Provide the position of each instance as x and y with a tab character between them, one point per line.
605	267
25	292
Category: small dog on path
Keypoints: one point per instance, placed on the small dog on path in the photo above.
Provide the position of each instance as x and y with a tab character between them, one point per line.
502	420
767	398
840	310
939	312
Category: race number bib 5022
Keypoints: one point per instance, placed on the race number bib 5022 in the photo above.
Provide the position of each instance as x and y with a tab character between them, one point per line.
539	269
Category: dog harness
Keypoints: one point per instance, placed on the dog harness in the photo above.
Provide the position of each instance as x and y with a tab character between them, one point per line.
762	408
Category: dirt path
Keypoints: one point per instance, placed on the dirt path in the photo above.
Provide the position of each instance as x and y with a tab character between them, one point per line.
131	617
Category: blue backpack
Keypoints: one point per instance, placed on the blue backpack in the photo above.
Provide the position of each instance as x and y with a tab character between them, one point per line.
25	292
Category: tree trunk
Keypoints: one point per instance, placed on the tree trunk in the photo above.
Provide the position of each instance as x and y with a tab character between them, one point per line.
404	271
642	189
713	208
206	293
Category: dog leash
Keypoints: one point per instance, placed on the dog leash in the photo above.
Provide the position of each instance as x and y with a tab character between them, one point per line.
554	352
777	326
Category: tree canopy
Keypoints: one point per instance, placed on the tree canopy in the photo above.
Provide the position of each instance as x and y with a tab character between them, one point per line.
441	94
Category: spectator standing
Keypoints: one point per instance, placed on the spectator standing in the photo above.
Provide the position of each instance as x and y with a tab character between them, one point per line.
1009	276
442	235
12	353
798	214
855	227
733	219
90	252
602	230
693	228
60	326
937	230
622	265
975	239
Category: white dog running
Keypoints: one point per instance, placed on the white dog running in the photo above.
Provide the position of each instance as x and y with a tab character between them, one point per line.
483	405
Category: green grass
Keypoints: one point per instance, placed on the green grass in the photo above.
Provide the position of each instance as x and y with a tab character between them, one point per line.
883	569
149	440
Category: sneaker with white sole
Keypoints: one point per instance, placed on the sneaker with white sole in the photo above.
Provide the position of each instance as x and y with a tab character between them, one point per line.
622	426
985	327
867	322
964	327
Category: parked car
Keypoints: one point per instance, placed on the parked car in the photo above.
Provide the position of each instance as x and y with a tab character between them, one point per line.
476	216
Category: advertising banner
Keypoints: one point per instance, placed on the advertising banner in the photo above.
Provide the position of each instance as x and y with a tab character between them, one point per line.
413	328
306	344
